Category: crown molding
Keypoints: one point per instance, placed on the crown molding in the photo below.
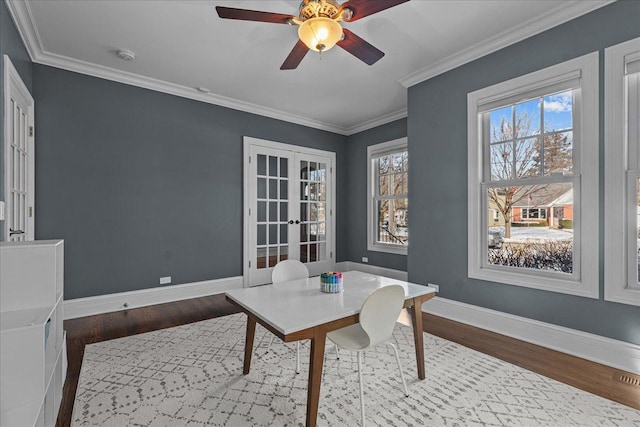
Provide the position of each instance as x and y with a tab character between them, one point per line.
550	19
20	11
23	18
379	121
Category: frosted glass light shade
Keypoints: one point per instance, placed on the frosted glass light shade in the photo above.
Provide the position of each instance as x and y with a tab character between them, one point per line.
320	34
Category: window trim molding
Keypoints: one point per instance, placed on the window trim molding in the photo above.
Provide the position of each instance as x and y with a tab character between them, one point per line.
375	150
586	283
616	233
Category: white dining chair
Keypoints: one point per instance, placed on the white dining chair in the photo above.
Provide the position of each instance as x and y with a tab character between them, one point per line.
377	319
283	272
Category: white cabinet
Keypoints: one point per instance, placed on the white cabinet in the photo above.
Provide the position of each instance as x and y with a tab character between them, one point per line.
32	340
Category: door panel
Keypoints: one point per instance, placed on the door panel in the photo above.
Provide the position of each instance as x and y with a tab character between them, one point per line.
19	157
288	210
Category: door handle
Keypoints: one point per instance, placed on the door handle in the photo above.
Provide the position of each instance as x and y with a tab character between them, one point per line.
12	232
297	221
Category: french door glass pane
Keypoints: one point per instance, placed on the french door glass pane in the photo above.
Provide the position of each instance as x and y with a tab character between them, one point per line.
313	196
272	216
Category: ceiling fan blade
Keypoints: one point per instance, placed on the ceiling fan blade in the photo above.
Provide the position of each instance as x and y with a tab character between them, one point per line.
252	15
362	8
295	57
360	48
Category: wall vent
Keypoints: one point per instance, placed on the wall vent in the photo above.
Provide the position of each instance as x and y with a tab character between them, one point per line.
626	378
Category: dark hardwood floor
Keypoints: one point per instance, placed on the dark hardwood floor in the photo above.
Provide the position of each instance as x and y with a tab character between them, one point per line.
592	377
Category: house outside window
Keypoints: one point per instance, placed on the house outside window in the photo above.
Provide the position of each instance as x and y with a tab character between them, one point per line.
532	152
622	173
388	202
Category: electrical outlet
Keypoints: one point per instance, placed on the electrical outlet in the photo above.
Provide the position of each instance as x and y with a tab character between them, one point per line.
365	259
165	280
436	287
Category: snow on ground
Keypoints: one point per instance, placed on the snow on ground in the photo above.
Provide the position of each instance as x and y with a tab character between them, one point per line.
521	234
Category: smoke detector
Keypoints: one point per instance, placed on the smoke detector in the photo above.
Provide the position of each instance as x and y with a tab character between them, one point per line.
126	54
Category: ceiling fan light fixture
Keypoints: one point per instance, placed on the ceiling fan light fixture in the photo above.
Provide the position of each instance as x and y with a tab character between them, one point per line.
320	34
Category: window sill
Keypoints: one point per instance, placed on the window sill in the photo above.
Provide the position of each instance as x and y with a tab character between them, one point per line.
391	249
586	288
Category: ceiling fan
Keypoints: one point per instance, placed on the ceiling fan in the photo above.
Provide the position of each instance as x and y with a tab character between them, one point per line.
319	27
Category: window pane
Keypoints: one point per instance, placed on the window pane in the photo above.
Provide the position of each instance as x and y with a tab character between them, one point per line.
273	234
534	228
558	111
528	118
558	153
383	188
284	189
284	165
500	126
528	158
393	221
501	157
383	165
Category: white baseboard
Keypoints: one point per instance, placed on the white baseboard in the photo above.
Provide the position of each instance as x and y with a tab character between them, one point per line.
607	351
89	306
372	269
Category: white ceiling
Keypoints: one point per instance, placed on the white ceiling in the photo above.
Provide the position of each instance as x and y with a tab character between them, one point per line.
181	45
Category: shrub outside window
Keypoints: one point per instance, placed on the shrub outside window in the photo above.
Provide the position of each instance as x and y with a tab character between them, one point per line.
533	157
388	202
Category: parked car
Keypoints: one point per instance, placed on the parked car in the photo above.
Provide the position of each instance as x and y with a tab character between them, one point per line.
495	238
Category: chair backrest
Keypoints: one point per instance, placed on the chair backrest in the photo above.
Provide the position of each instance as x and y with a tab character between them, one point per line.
380	311
290	269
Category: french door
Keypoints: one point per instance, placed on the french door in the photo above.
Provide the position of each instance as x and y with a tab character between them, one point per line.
289	194
18	157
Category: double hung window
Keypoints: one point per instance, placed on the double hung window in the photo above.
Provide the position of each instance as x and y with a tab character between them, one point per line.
533	158
388	202
622	173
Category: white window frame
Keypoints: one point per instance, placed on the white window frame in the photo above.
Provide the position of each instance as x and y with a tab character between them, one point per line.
374	151
622	167
584	280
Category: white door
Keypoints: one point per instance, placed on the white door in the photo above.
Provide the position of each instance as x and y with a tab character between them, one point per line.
288	208
18	157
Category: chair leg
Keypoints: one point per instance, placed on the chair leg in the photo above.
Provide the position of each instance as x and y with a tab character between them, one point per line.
297	357
361	387
404	384
337	351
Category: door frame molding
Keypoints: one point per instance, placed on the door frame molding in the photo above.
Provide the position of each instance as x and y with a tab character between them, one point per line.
13	80
248	142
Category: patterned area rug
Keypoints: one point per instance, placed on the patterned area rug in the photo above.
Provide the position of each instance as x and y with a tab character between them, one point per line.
192	376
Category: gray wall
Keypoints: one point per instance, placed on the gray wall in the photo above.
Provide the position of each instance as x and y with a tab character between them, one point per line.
356	227
141	184
11	45
438	189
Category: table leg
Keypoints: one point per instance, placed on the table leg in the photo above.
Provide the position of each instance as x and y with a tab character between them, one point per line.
315	374
248	344
416	318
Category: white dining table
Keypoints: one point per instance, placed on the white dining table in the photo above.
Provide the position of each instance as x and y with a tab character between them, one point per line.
298	310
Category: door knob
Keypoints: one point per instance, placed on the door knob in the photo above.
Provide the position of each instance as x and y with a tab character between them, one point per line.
290	221
297	221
